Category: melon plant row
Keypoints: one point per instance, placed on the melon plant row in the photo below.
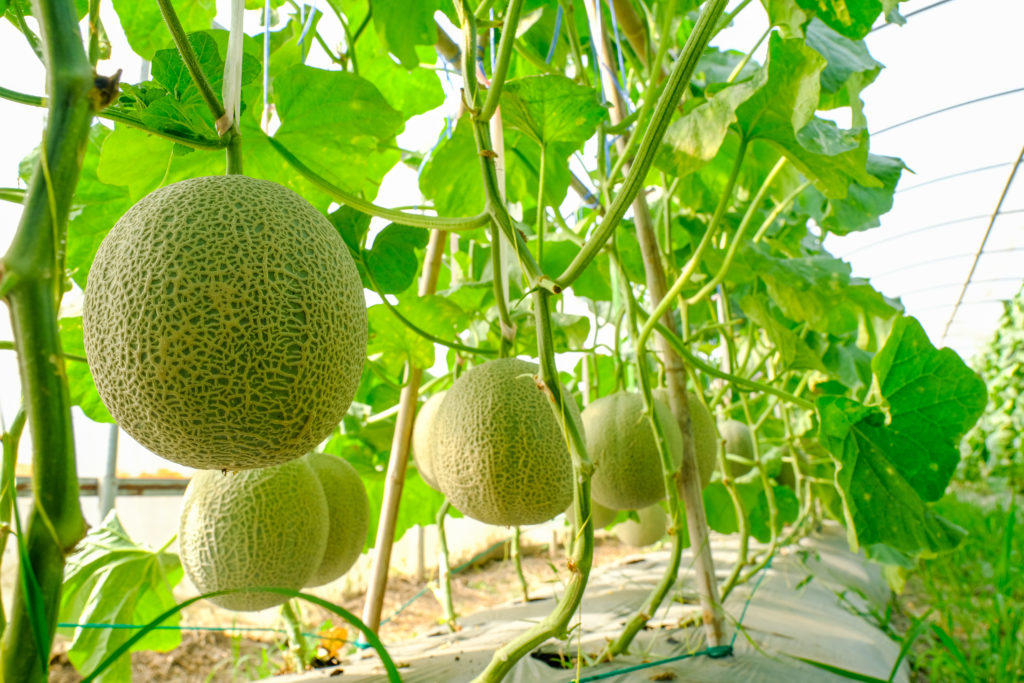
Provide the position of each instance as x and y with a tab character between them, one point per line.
218	219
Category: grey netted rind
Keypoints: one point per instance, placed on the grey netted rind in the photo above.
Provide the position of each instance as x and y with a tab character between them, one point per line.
348	515
620	441
651	528
705	434
225	323
500	455
421	448
263	527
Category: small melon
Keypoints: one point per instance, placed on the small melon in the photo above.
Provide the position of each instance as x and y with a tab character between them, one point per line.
421	453
651	528
500	455
348	516
739	441
622	445
264	527
225	323
601	515
705	434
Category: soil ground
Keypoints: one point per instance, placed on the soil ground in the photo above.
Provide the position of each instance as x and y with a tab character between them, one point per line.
216	657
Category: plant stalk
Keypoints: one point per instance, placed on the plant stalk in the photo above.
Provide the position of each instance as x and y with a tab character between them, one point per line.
31	281
444	569
517	559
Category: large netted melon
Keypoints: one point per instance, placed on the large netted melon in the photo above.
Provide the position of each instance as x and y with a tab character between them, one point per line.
705	434
651	528
422	452
225	323
264	527
739	441
499	452
348	516
622	445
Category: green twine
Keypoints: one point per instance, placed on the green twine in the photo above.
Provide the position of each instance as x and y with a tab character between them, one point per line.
716	652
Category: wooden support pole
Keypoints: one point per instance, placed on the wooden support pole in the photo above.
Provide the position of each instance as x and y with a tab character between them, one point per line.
399	456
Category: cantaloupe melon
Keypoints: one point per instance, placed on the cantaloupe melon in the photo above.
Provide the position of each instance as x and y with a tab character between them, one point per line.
622	445
651	528
225	324
421	447
348	516
739	441
500	455
264	527
705	434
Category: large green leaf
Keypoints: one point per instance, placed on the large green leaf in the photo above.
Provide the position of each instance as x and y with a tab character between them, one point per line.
410	92
392	261
794	351
402	25
111	580
893	460
781	110
694	139
144	26
80	383
852	18
451	179
850	66
862	207
551	108
338	124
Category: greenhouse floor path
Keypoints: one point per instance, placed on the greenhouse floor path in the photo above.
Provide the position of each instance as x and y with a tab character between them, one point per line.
811	603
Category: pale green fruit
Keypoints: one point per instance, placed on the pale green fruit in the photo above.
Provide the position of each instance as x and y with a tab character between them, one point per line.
421	448
348	516
264	527
628	474
651	528
225	323
705	434
739	440
500	455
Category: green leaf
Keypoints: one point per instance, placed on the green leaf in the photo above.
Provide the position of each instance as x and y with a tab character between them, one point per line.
402	25
852	18
551	108
410	92
850	66
352	225
783	103
392	261
593	283
80	382
816	289
96	208
787	15
451	179
862	207
786	505
111	580
694	139
338	124
522	170
932	396
892	462
144	26
795	352
395	343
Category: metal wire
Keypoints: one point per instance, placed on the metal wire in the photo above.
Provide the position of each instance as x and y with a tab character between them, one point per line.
984	240
945	109
926	228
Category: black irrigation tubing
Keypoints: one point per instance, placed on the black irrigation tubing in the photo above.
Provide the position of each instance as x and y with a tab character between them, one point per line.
984	241
946	109
932	226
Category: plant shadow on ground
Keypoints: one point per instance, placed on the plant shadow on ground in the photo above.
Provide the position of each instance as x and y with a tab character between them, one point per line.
215	657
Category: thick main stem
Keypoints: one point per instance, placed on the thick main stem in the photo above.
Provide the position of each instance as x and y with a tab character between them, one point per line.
399	456
31	282
675	371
